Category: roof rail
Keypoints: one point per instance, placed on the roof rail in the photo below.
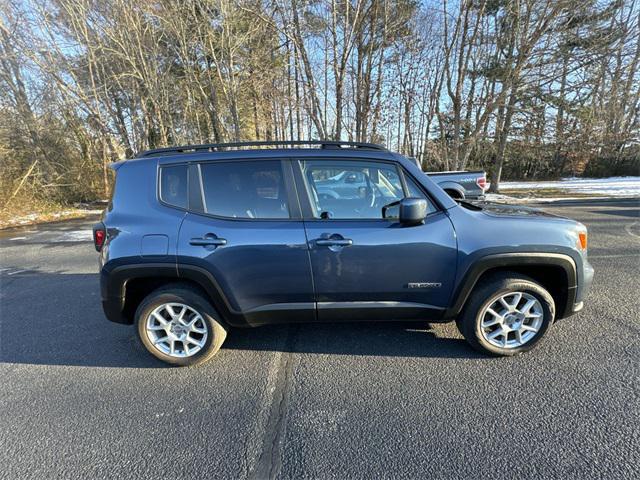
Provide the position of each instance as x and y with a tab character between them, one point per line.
214	147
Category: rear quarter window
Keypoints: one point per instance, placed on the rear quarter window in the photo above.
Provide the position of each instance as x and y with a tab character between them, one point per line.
173	185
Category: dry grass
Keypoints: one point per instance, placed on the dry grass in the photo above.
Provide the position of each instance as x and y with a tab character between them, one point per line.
545	193
19	214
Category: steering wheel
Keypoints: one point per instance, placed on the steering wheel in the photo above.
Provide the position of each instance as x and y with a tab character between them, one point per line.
372	202
368	194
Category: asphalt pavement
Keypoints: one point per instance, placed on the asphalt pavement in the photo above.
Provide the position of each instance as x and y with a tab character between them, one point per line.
79	398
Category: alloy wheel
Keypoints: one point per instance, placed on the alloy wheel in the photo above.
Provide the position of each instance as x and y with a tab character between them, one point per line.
176	329
512	319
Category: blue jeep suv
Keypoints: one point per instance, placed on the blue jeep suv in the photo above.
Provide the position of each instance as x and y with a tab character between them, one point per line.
200	238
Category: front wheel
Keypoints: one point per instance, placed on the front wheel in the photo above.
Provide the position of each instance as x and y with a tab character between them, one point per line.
179	326
507	315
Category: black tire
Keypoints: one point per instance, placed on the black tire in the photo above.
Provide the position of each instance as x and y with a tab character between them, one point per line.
469	322
180	293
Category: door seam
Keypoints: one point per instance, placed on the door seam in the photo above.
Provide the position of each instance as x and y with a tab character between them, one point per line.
313	282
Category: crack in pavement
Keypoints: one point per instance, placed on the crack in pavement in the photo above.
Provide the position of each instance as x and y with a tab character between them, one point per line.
270	459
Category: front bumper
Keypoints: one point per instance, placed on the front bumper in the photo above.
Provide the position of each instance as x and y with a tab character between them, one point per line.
587	280
581	291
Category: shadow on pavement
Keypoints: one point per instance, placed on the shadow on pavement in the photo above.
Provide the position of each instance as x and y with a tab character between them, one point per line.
630	212
386	339
57	319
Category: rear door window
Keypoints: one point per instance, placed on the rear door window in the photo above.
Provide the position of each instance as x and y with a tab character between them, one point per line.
245	189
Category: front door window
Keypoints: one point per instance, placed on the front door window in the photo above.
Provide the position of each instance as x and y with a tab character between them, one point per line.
352	189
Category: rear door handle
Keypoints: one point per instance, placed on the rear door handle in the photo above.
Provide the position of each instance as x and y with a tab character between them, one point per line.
209	240
334	242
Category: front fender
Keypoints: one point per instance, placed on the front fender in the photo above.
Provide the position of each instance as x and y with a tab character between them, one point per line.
516	259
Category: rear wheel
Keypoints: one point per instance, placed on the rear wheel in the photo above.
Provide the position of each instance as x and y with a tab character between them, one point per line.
456	195
507	315
179	326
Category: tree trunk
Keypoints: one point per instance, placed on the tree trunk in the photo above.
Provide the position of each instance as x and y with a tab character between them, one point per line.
504	133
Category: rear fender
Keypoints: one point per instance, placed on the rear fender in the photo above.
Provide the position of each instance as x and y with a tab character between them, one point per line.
114	287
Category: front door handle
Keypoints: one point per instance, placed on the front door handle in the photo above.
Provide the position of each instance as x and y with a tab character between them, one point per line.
327	242
334	241
209	240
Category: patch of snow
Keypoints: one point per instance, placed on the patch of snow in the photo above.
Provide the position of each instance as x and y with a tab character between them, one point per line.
77	236
15	272
499	197
66	213
32	218
25	219
612	186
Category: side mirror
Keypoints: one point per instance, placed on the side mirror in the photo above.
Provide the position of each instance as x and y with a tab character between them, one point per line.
413	211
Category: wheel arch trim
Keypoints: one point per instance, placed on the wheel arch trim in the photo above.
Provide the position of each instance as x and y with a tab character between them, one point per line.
114	281
519	259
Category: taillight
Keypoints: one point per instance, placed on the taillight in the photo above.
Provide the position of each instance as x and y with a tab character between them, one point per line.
482	182
99	236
